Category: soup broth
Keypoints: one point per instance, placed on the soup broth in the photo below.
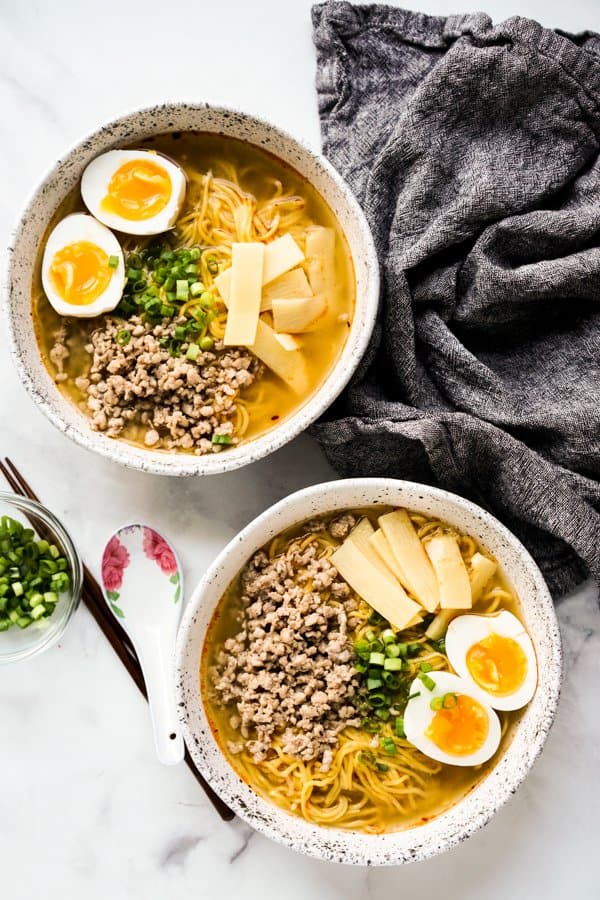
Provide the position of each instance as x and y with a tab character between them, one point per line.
287	205
354	784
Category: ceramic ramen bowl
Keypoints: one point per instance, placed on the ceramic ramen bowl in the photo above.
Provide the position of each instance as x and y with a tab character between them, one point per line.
66	174
474	809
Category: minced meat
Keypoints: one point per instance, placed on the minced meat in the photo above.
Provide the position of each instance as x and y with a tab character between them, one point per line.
288	671
176	403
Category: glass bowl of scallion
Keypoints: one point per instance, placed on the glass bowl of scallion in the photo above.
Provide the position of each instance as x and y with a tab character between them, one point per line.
40	578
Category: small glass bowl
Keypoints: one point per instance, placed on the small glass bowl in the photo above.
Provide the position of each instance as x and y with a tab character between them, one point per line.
24	643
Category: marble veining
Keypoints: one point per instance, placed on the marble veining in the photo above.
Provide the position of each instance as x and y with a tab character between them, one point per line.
86	809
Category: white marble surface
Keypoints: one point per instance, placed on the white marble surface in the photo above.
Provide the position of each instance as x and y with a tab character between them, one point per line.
85	808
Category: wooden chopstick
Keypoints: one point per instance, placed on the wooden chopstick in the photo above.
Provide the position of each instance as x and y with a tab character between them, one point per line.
93	598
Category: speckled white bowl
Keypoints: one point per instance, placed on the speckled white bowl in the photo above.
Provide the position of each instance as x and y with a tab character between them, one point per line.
477	807
42	205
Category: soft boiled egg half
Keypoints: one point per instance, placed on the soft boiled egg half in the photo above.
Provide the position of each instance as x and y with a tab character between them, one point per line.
134	191
449	722
495	655
83	272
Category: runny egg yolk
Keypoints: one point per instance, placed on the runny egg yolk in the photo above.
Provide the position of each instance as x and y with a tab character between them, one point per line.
461	730
80	272
498	664
139	189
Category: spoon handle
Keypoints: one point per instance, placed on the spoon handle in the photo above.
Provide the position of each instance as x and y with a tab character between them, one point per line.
156	659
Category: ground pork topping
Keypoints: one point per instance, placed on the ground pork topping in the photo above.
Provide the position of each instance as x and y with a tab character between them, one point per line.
288	672
176	403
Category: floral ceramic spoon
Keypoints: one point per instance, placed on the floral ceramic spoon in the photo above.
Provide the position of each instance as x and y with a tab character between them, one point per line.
143	586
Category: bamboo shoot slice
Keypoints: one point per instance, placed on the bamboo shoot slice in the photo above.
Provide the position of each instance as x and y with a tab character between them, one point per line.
360	536
291	284
481	570
373	586
298	314
414	568
381	545
289	365
320	253
244	300
451	572
437	627
280	255
288	341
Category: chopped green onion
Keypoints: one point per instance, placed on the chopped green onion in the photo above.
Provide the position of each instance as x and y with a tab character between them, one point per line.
113	262
182	290
206	343
450	700
393	665
399	727
382	714
374	684
413	649
392	650
375	618
123	337
427	681
388	636
208	299
426	667
196	289
370	726
381	767
376	659
388	746
192	352
416	694
378	699
221	439
29	569
436	703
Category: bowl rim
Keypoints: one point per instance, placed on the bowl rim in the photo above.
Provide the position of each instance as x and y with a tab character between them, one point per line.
52	636
181	464
353	847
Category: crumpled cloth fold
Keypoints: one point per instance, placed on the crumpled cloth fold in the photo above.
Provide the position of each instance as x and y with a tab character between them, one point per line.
474	151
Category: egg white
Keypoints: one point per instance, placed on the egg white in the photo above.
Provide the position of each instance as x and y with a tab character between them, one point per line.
81	227
466	630
96	179
418	715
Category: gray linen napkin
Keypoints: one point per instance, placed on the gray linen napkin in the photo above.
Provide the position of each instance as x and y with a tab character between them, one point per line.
474	151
